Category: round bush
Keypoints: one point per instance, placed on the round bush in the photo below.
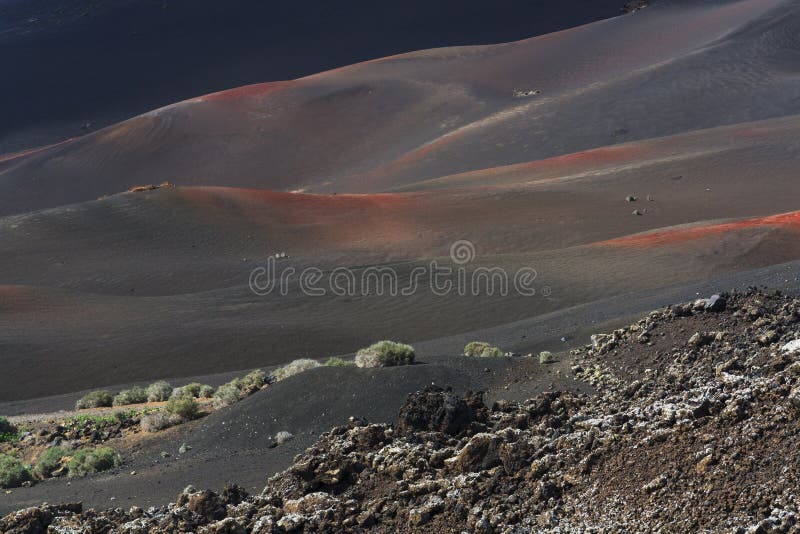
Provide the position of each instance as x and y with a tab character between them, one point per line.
294	368
206	392
135	395
228	394
6	427
184	407
255	379
8	432
13	472
86	461
158	391
95	399
48	461
153	422
195	390
385	354
334	361
481	349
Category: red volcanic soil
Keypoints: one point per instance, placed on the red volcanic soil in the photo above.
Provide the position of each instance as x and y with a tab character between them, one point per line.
313	223
558	167
389	124
17	300
245	92
785	221
6	160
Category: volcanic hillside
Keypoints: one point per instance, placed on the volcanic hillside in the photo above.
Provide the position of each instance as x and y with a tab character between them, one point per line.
692	427
623	162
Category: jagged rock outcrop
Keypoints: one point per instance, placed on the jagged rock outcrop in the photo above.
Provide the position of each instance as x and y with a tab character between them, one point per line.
681	435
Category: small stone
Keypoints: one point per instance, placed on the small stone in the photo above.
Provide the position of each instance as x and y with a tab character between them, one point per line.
716	303
655	484
794	397
418	516
700	339
631	198
768	337
546	357
636	212
283	436
792	346
703	465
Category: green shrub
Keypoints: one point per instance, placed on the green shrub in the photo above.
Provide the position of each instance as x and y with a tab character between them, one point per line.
184	407
189	390
295	367
8	432
95	399
334	361
86	461
481	349
135	395
385	354
195	390
153	422
206	392
48	461
255	379
158	391
180	392
228	394
13	472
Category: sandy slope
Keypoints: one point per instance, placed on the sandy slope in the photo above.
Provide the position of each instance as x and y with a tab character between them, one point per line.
387	163
231	328
421	115
62	84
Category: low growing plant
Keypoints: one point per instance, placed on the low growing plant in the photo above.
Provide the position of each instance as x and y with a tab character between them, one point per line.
158	391
335	361
294	368
8	431
228	394
95	399
206	391
481	349
184	407
255	379
135	395
86	461
48	462
13	473
153	422
385	354
195	390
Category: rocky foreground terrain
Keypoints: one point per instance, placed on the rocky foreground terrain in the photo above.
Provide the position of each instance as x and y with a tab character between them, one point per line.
693	427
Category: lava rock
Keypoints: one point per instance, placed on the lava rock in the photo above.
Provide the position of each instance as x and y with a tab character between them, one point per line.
439	410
